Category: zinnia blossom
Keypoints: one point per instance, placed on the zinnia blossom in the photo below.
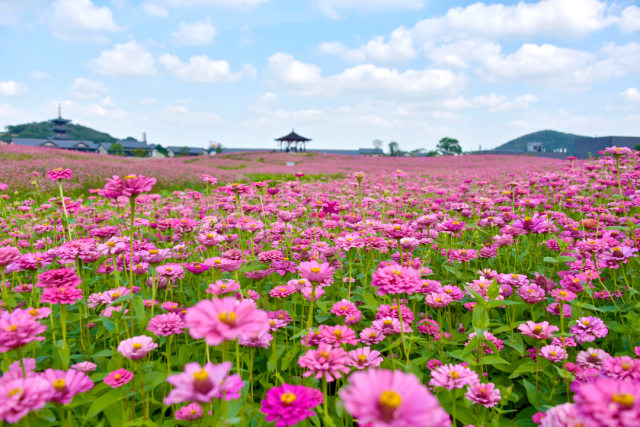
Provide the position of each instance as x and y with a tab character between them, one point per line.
453	376
19	396
18	328
66	384
201	383
326	361
386	398
118	378
486	395
137	347
609	402
288	404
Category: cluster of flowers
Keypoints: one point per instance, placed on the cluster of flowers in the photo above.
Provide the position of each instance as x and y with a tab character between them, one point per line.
383	301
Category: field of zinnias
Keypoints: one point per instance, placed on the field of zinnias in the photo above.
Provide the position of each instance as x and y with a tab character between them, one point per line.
439	292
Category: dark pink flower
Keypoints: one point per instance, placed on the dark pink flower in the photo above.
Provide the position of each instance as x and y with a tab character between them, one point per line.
66	384
18	328
486	395
289	404
326	361
166	324
19	396
130	185
118	378
609	402
59	173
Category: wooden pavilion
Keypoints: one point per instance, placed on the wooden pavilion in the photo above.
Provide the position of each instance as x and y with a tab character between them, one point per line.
292	140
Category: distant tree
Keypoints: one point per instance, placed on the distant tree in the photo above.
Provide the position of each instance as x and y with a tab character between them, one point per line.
431	153
184	151
449	146
637	147
394	149
116	149
139	152
219	148
418	153
160	149
130	138
377	144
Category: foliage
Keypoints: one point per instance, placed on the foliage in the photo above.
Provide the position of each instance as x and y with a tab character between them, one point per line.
42	130
139	152
394	148
550	139
448	147
116	149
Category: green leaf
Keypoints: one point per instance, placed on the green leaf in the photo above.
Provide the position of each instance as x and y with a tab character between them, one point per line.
473	345
566	259
184	355
479	299
371	300
549	259
103	402
531	393
141	314
493	360
480	319
494	290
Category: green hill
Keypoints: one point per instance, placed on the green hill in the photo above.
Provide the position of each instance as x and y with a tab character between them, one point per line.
42	130
550	139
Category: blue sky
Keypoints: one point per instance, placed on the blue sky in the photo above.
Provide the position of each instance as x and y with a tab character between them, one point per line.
342	72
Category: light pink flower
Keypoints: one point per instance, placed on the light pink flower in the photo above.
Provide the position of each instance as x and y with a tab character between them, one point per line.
315	272
166	324
137	347
486	395
538	331
338	335
118	378
66	384
221	287
19	396
453	376
395	279
326	361
364	358
200	383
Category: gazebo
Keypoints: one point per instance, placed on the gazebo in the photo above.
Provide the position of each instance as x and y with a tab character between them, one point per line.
293	138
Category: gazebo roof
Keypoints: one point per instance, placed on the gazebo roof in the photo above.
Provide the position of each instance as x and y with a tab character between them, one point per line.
293	137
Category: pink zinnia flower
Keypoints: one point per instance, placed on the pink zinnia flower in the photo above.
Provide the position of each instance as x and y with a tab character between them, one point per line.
343	308
453	376
137	347
289	404
18	328
221	287
59	173
592	358
438	300
564	415
19	396
282	291
326	361
63	295
61	277
364	358
256	340
338	335
118	378
395	279
553	353
223	319
84	367
563	295
538	331
608	402
166	324
66	384
371	336
8	254
191	412
315	272
201	383
130	185
622	368
391	398
486	395
588	329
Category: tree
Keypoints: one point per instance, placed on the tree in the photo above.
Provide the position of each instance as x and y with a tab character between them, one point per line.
449	146
418	153
377	144
160	149
139	152
393	148
219	148
431	153
116	149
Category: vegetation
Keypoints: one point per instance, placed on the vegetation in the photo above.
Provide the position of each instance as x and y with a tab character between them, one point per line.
116	149
449	146
42	130
551	140
139	152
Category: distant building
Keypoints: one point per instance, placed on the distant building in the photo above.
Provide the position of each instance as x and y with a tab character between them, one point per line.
186	151
585	147
370	152
534	147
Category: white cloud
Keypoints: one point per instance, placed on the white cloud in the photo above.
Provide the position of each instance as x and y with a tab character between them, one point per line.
269	97
303	79
244	5
152	9
332	7
197	34
38	75
105	109
630	19
631	95
11	88
181	114
146	101
543	65
82	21
125	60
520	103
201	69
564	18
246	38
86	89
399	49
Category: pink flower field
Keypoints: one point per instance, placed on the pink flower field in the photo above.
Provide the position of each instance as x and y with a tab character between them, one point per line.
343	291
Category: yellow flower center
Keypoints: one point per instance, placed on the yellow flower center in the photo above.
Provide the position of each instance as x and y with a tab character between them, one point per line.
454	375
111	244
287	398
337	333
563	293
390	399
15	391
325	355
362	357
537	329
59	384
623	399
552	353
154	251
137	346
117	377
116	295
201	375
315	269
33	312
586	323
11	328
227	317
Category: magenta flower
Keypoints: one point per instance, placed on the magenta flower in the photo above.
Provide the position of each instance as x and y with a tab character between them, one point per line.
438	300
622	368
62	295
609	402
326	361
338	335
288	404
261	340
191	412
137	347
221	287
588	329
371	336
343	308
223	319
592	358
166	324
391	398
19	396
553	353
364	358
66	384
395	279
282	291
61	277
486	395
538	331
200	383
564	415
453	376
18	328
563	295
118	378
315	272
130	185
59	173
8	254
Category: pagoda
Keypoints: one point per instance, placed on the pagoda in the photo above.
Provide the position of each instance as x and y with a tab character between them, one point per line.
60	129
295	139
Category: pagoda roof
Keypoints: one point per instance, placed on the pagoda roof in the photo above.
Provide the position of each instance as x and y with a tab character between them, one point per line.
293	137
60	120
